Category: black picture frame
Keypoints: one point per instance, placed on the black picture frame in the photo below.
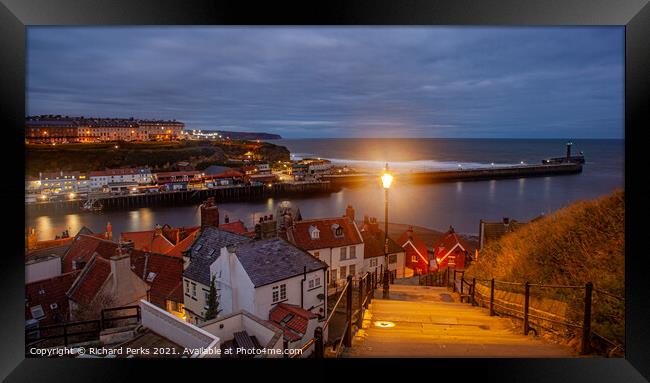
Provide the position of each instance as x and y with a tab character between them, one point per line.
15	15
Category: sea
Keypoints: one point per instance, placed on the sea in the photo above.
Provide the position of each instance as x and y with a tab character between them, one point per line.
436	206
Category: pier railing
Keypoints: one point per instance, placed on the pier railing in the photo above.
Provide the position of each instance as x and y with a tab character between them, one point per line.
483	292
365	287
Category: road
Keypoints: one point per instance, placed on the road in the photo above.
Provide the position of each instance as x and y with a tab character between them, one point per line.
421	321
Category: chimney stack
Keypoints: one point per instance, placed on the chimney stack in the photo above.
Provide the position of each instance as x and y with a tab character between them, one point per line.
209	213
226	219
373	225
109	231
506	220
349	212
568	150
409	231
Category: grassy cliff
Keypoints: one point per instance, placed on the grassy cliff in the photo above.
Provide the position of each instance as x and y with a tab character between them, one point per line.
582	242
158	155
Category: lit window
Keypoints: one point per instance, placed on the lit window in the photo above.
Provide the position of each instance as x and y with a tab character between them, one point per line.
317	254
151	276
414	258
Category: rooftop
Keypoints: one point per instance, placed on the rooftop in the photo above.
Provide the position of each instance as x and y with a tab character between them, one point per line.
205	250
271	260
300	233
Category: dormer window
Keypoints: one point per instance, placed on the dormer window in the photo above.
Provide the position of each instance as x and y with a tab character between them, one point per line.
338	230
314	233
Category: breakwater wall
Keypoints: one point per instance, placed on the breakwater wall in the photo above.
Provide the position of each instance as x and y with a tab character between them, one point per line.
482	174
235	193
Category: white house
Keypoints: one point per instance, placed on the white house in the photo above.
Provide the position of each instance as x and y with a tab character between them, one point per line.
99	179
335	241
196	276
255	276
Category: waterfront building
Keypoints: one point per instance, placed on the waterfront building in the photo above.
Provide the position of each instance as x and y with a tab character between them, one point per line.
65	129
178	180
63	182
263	169
335	241
221	175
373	254
416	252
450	251
492	231
299	171
98	180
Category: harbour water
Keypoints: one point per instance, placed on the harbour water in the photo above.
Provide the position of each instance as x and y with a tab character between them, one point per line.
436	206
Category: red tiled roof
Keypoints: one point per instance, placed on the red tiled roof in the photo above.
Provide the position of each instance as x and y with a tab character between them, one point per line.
373	244
236	227
83	247
165	242
299	234
227	174
49	292
90	281
409	239
168	279
293	320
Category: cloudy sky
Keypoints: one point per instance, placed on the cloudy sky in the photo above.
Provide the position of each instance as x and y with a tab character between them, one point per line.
338	82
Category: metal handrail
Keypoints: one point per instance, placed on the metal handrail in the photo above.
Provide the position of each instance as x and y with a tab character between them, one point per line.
605	292
329	318
304	348
339	346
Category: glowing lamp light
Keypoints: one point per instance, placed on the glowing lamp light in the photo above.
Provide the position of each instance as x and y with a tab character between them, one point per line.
72	195
387	180
116	147
384	324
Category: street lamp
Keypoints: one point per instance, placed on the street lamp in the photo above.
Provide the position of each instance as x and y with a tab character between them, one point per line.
386	180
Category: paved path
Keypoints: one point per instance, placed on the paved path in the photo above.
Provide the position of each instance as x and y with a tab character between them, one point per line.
429	322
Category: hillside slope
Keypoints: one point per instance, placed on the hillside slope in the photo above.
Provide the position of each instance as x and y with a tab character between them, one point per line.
582	242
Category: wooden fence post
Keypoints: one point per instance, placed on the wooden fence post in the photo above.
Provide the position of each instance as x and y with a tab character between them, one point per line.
526	303
462	283
369	290
586	321
473	291
318	347
374	278
492	297
347	340
454	283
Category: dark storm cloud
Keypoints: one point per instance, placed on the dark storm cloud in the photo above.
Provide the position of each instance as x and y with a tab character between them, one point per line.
338	82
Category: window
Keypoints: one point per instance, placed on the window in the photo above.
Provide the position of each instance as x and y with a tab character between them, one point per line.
392	258
151	276
314	233
194	290
333	275
339	231
353	252
344	253
317	281
276	293
373	262
317	254
353	269
311	284
343	272
37	312
283	292
414	258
